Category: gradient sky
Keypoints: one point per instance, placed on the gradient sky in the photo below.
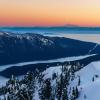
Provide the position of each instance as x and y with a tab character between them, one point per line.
49	12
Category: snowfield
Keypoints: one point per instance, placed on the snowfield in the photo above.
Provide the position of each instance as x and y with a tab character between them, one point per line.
90	82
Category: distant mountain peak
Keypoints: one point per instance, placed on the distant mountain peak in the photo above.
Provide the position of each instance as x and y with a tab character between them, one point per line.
71	25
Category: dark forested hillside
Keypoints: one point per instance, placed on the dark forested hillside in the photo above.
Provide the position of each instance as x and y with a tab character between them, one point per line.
23	69
16	48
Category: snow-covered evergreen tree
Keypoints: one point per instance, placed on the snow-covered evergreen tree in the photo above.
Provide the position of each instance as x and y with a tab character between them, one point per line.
34	84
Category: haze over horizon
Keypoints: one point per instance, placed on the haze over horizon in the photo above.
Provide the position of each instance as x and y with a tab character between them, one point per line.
49	12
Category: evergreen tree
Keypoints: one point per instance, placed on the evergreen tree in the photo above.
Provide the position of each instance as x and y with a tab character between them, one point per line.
73	94
79	81
45	91
54	76
60	85
93	79
64	94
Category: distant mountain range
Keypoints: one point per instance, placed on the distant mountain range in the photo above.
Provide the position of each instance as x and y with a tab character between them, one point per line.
49	29
16	48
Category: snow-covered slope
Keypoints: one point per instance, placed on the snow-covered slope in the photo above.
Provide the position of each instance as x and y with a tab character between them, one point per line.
90	82
88	72
89	87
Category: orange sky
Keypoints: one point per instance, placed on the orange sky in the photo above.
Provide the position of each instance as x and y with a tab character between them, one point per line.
49	12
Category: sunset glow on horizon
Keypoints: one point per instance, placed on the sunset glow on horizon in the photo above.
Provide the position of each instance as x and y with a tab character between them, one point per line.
49	12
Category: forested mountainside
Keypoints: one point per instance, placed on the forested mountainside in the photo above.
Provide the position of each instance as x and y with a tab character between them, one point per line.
66	82
51	84
16	48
